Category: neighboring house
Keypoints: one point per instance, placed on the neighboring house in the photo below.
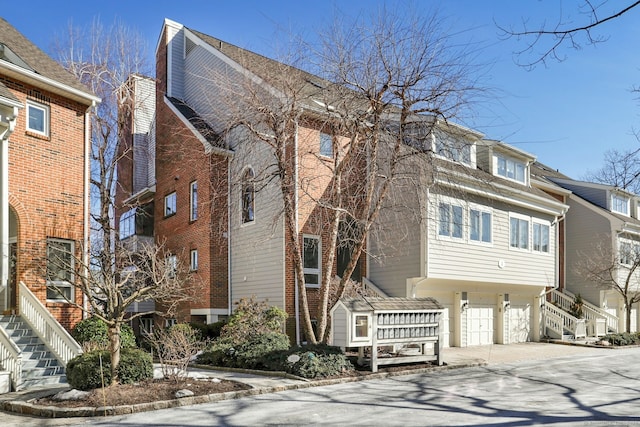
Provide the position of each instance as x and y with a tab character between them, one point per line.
214	204
490	234
602	222
486	246
44	186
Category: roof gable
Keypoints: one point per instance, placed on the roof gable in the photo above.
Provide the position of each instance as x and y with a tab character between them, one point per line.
25	58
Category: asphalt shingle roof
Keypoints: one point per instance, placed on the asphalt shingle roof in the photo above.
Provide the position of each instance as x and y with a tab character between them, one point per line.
34	57
398	304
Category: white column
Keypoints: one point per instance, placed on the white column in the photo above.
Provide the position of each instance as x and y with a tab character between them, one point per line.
4	222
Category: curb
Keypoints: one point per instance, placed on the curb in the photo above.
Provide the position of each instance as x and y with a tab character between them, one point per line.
25	407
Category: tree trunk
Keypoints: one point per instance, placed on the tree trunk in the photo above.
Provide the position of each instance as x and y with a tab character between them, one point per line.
627	321
114	349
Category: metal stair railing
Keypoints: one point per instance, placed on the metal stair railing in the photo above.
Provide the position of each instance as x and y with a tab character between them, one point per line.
55	337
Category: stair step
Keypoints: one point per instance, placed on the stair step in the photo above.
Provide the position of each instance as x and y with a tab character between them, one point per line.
42	381
42	372
40	363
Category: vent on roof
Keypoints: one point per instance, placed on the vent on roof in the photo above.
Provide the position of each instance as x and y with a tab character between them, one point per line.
189	45
8	55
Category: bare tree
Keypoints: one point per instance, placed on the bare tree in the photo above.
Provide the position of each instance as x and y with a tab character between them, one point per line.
615	270
379	89
551	38
111	274
620	169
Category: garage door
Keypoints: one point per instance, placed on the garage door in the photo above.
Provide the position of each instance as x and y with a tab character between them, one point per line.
480	325
519	323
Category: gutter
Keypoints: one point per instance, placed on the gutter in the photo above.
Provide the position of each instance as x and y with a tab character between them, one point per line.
75	94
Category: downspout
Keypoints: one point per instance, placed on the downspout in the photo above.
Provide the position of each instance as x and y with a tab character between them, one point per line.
295	189
87	198
229	299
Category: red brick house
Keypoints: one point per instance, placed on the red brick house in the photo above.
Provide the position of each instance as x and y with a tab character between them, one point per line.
44	187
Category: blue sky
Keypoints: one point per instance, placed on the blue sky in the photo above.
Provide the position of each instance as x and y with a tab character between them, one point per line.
567	114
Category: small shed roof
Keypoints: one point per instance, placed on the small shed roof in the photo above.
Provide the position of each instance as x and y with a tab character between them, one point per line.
383	304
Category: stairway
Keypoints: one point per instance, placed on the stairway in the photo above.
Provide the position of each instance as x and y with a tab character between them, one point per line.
39	366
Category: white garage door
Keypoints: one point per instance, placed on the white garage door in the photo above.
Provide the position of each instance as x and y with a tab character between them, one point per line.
480	325
519	323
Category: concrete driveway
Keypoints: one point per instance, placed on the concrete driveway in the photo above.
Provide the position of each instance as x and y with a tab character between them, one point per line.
581	387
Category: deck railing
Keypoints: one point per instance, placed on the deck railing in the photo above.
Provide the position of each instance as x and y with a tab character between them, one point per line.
593	312
57	339
559	321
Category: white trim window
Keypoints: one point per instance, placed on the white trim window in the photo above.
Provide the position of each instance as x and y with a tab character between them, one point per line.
619	204
37	118
326	145
450	220
480	225
311	259
170	204
452	148
540	237
628	252
60	269
193	201
519	232
172	266
193	265
509	168
146	326
248	196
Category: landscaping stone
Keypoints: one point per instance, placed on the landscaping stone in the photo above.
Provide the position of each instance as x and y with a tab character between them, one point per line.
183	393
70	395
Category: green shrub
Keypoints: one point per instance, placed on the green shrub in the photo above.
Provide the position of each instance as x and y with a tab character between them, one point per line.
92	332
313	361
249	354
623	338
251	317
210	330
84	372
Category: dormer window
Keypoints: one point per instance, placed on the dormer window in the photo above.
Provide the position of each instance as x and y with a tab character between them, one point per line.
620	204
451	148
510	168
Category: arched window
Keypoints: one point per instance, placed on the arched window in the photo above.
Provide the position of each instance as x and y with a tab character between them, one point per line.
248	196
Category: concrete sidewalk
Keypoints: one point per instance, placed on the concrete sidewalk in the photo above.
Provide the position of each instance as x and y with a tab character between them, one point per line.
269	382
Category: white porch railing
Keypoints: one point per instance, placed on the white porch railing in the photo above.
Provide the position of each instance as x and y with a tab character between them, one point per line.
11	358
558	321
612	320
47	327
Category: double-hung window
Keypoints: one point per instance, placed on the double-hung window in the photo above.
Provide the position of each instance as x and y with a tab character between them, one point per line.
519	232
479	225
620	204
171	266
170	204
540	237
511	169
194	260
60	269
311	260
326	145
450	220
248	196
193	201
37	118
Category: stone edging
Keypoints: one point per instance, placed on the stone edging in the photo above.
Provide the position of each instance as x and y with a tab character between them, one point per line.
28	408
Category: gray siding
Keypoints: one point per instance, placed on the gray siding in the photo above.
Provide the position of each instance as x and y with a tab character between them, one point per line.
585	227
143	117
394	246
257	248
464	260
597	196
175	62
340	328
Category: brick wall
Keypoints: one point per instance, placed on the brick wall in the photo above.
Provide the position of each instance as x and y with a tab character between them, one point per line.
46	189
181	160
